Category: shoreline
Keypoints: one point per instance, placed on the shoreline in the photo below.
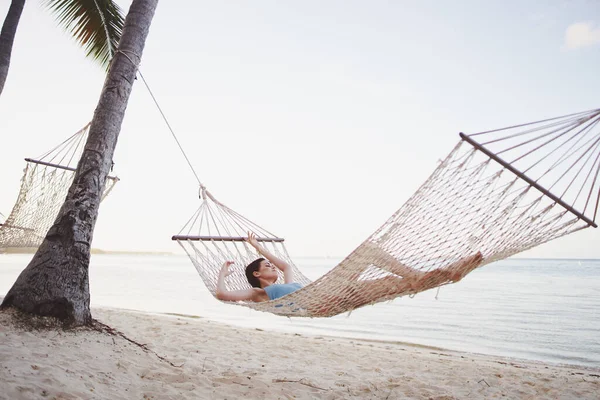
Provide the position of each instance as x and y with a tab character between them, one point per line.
208	359
367	340
94	251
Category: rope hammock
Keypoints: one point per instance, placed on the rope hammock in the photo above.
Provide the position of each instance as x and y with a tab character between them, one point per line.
496	194
44	186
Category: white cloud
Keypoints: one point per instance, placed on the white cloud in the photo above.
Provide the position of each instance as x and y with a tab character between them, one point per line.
581	34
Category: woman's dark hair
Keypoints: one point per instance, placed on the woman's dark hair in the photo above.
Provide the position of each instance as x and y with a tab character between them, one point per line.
250	269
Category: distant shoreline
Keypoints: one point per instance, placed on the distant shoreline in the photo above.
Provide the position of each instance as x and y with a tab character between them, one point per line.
32	250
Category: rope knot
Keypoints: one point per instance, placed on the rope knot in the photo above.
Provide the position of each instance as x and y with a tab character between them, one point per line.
128	55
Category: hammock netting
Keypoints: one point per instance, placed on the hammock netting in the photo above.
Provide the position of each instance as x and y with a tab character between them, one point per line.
496	194
44	186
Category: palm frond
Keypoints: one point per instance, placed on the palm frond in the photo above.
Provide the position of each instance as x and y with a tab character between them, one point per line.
95	24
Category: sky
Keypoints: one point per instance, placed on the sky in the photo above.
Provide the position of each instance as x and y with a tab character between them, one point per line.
316	120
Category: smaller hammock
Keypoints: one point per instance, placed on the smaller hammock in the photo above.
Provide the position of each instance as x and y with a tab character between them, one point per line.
44	187
496	194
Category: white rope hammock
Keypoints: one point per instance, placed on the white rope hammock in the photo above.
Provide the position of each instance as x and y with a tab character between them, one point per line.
496	194
46	180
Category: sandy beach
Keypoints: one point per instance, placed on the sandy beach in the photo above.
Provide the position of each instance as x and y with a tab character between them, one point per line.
206	359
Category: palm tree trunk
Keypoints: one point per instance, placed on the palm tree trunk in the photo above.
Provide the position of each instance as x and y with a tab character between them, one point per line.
56	281
7	37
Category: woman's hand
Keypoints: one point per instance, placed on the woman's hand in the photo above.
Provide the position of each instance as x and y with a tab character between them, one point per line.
225	268
252	240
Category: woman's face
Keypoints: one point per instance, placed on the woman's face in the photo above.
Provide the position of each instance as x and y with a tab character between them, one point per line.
268	271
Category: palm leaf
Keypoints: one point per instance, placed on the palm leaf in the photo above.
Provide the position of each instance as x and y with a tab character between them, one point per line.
95	24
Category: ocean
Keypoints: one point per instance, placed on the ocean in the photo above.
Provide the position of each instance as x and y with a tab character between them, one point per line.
536	309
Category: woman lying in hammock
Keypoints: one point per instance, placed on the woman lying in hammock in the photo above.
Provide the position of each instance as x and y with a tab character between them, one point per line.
262	275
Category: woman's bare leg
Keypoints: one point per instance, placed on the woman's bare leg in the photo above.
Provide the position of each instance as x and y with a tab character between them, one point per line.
389	263
451	273
405	280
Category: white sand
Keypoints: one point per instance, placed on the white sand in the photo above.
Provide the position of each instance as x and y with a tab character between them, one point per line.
216	361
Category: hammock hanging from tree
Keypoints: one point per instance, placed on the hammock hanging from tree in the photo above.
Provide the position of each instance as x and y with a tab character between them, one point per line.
496	194
44	187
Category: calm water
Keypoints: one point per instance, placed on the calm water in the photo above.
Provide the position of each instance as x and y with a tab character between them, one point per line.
544	310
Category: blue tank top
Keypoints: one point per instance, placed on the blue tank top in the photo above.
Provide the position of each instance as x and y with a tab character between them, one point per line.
278	290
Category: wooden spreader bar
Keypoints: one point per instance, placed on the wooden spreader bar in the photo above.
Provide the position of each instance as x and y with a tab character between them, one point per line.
224	238
49	164
521	175
56	166
18	227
